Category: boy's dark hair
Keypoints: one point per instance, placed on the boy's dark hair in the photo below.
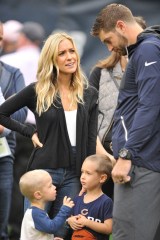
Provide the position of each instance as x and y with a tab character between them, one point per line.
104	163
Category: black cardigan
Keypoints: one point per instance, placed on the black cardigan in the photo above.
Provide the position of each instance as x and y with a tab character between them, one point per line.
52	130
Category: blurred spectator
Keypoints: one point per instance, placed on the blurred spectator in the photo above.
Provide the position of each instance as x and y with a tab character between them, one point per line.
10	35
26	57
30	38
11	82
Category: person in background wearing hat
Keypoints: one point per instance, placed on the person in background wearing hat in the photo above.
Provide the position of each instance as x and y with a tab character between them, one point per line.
10	36
11	82
30	38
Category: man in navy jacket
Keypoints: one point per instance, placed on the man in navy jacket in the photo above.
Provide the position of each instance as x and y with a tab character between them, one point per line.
136	131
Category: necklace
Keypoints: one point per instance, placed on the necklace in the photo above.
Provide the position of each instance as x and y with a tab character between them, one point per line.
67	101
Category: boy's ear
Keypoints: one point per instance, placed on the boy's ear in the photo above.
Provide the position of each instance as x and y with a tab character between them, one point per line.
103	178
37	195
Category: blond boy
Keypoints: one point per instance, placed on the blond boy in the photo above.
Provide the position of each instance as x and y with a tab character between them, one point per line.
37	186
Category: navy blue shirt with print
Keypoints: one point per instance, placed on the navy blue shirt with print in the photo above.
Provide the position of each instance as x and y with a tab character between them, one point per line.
98	210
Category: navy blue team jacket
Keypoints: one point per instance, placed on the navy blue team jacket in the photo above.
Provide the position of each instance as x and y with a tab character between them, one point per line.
137	117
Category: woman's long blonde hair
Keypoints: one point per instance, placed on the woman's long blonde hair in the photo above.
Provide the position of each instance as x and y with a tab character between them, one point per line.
48	73
109	62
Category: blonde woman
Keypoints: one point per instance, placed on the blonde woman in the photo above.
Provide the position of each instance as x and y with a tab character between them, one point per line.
65	109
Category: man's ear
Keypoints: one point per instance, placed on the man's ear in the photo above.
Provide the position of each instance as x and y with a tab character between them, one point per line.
37	195
103	178
120	26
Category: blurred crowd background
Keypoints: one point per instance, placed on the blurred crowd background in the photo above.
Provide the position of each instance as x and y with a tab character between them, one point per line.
74	16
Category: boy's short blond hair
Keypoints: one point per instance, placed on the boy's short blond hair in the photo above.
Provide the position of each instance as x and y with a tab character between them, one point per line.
32	181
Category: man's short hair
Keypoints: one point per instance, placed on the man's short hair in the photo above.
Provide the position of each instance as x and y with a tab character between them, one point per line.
108	17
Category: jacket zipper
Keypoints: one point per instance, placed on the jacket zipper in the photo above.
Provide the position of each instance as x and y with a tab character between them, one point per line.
124	127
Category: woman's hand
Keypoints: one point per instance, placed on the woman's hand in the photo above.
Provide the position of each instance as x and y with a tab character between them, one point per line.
36	141
101	150
113	160
1	129
82	191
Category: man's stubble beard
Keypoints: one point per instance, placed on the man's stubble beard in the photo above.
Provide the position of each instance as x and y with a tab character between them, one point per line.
123	42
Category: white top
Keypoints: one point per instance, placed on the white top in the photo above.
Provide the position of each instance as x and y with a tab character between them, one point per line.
30	230
36	224
71	117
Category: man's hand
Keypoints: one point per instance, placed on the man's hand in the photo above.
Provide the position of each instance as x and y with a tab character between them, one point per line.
121	170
